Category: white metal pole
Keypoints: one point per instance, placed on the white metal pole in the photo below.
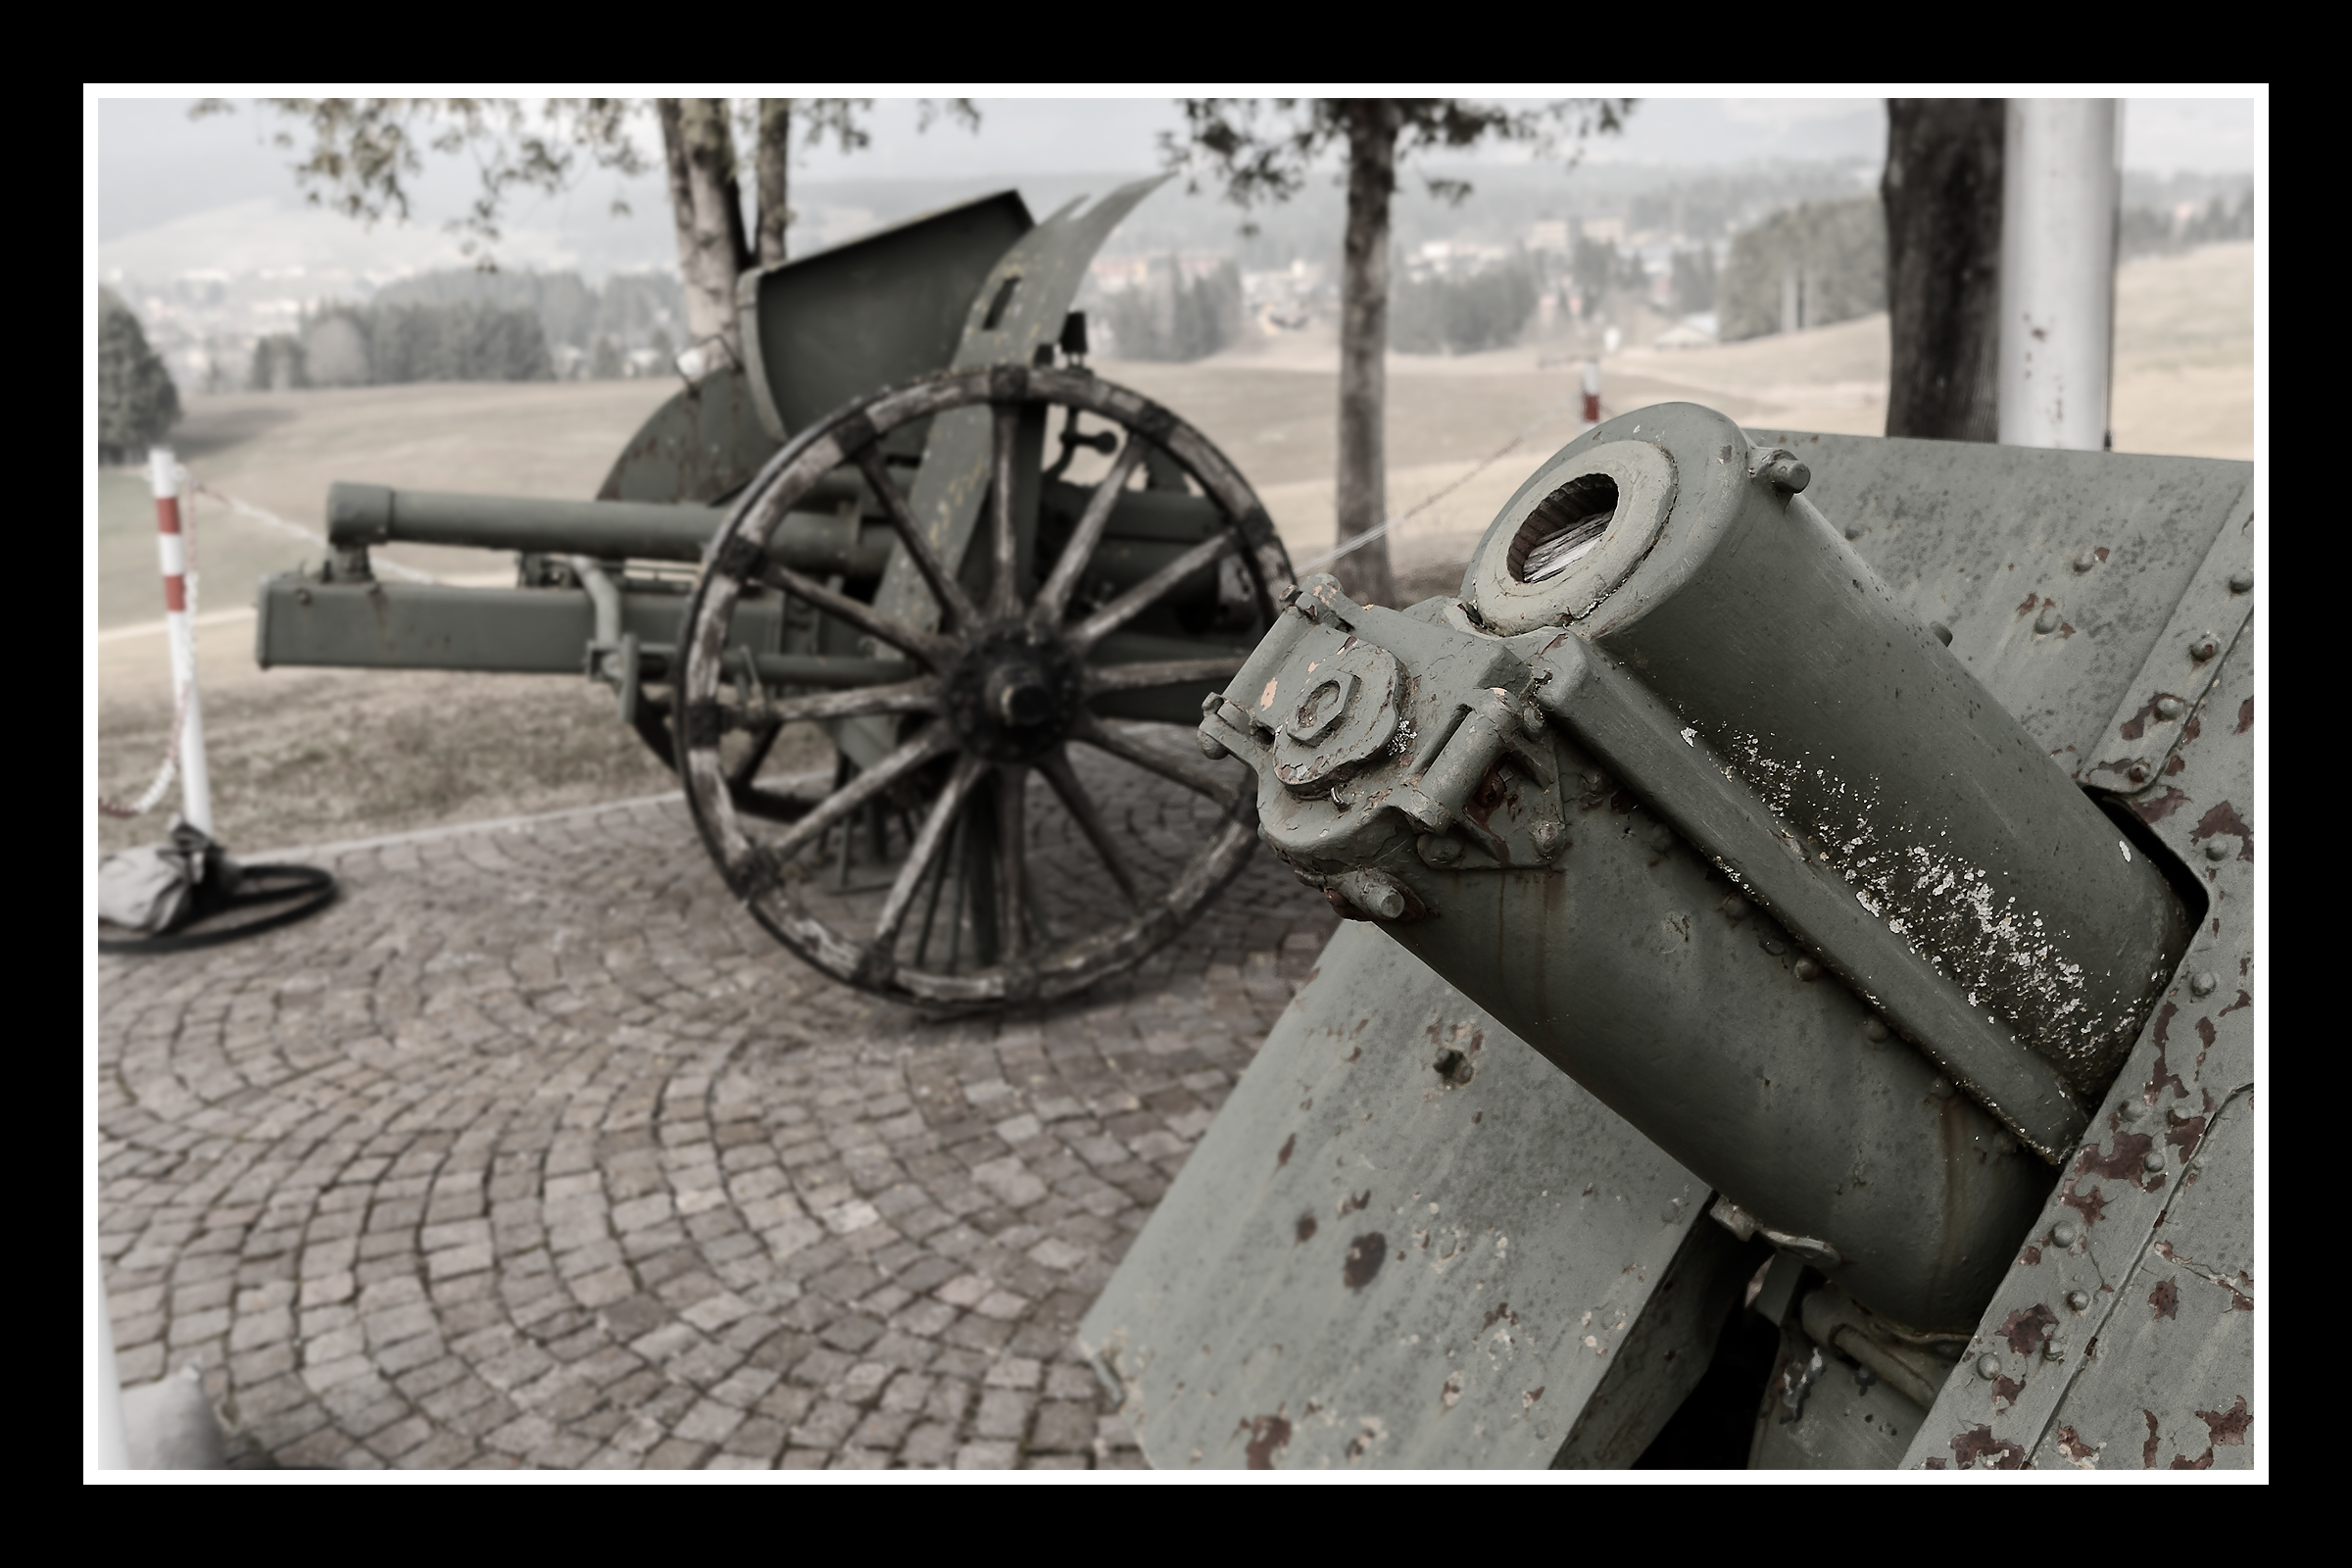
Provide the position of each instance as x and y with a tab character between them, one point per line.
195	782
2058	195
106	1385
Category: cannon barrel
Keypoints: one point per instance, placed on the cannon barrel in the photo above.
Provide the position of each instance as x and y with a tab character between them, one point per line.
361	516
1680	795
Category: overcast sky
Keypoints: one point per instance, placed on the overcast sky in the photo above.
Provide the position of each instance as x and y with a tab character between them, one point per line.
153	165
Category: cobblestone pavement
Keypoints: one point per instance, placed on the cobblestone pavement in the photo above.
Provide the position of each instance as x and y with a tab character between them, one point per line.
534	1150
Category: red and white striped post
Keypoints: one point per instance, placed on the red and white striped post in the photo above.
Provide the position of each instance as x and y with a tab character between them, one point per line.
195	783
1592	393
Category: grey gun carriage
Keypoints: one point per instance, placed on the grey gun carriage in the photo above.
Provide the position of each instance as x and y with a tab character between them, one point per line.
1798	881
914	517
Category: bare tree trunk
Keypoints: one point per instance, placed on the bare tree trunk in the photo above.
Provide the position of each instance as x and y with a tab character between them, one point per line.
1943	195
1363	487
708	204
775	171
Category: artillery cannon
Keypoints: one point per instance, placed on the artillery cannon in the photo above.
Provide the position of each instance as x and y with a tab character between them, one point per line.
1794	908
915	518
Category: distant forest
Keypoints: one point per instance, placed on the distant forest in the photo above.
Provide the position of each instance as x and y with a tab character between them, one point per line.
463	325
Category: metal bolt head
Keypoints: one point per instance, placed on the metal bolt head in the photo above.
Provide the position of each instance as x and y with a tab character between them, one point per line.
2061	1234
1440	851
1852	532
2203	648
2080	1300
1785	472
2138	773
2241	581
1550	837
2216	849
1807	969
1734	908
1212	748
2134	1110
1874	1030
1944	633
2087	559
1940	1087
1988	1366
2168	708
2153	1160
1531	719
2047	621
1660	837
2204	985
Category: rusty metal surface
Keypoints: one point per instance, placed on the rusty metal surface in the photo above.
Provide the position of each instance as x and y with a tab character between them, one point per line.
1984	539
2077	1344
1407	1240
704	442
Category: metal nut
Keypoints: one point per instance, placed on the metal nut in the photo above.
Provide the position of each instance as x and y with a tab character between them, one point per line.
2204	985
2168	708
1440	851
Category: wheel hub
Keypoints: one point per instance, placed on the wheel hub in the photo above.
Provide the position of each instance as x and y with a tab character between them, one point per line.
1015	694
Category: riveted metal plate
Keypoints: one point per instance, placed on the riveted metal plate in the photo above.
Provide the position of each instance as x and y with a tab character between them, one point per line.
1407	1240
2195	1057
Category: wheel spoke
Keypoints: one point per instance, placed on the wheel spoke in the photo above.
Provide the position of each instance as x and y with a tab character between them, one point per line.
933	740
1102	737
1055	765
925	849
1054	599
861	702
1159	672
956	604
1135	599
1012	845
1004	593
931	650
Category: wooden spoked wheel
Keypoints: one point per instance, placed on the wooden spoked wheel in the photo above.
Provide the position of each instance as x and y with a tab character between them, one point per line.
994	726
